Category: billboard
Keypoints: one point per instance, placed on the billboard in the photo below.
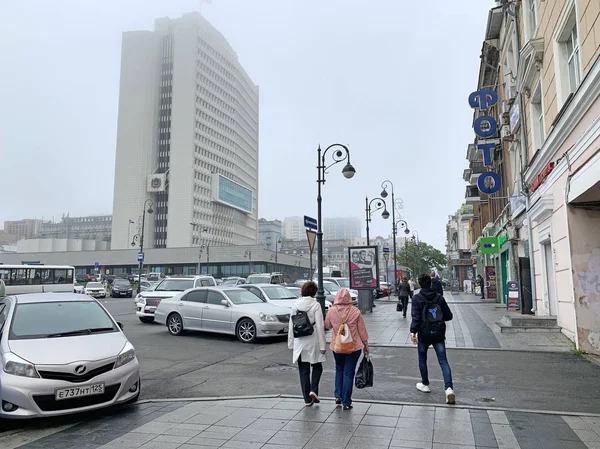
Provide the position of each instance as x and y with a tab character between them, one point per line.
364	267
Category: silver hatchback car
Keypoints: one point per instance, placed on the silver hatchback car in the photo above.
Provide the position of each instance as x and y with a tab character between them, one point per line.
225	310
62	353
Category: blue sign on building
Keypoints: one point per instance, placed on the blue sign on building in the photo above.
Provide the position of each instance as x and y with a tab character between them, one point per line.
486	126
310	223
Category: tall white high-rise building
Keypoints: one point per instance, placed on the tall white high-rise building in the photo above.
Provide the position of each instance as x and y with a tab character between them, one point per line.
187	139
336	228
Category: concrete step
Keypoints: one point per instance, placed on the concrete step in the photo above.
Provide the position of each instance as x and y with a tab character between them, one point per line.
529	321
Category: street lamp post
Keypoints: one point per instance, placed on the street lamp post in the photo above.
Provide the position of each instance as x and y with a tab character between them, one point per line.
384	194
248	254
348	171
403	225
277	242
140	237
202	248
200	243
380	205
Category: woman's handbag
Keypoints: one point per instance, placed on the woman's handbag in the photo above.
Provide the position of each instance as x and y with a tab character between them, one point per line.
399	307
364	375
344	343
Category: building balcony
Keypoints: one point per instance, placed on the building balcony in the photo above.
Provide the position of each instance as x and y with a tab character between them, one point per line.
476	168
472	195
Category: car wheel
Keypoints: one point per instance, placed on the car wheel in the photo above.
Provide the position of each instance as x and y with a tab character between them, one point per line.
175	324
246	331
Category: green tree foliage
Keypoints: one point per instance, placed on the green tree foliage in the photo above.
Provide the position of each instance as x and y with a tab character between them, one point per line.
420	257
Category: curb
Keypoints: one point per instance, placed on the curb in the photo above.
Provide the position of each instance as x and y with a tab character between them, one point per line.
450	348
366	401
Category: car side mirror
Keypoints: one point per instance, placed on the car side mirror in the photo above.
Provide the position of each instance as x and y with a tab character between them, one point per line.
225	302
120	325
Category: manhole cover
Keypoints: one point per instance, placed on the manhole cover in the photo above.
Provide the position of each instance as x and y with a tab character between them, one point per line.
280	367
487	399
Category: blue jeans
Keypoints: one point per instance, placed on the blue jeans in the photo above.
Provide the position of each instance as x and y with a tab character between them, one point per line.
440	351
345	369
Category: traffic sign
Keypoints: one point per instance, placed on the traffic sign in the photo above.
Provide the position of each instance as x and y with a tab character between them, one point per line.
140	256
96	265
386	250
310	223
311	236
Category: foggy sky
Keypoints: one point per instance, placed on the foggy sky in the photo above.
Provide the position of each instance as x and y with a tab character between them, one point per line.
389	78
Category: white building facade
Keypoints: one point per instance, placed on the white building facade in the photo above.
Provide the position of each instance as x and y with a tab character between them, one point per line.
334	228
187	139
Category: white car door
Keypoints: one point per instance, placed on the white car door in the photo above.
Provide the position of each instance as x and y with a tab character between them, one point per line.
190	307
216	317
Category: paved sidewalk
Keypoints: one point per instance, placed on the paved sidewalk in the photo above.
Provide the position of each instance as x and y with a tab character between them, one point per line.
473	326
279	423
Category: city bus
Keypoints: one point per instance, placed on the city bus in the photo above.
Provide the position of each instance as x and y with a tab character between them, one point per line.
20	279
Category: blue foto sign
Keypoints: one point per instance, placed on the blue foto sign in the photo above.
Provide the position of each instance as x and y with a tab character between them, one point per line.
484	99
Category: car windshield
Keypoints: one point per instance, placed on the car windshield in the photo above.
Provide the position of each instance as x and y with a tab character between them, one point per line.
259	280
122	283
58	319
277	292
174	285
331	286
295	291
230	282
242	297
344	283
94	285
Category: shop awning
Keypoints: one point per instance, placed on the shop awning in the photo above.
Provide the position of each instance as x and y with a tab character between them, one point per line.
584	188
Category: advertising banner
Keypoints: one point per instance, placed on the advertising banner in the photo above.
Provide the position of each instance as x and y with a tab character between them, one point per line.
490	282
513	301
364	267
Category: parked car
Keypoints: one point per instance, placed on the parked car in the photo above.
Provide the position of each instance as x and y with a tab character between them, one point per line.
329	298
64	354
227	310
266	278
385	287
333	287
275	294
148	285
146	302
233	281
95	290
121	287
77	287
82	278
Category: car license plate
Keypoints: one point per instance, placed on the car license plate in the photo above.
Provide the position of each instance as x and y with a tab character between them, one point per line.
77	392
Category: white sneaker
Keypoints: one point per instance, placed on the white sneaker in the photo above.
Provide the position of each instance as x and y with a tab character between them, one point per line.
450	396
424	388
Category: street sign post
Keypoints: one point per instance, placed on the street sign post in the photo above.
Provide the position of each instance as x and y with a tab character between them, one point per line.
96	266
140	257
312	237
310	223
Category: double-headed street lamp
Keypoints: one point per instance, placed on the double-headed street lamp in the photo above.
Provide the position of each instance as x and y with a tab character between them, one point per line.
348	171
380	204
384	194
201	247
140	238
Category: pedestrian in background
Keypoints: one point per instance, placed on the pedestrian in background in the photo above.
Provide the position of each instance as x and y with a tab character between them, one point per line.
436	284
309	351
404	292
413	285
481	283
428	328
343	312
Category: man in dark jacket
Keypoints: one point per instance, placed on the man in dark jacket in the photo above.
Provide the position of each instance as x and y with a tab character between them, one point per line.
404	292
426	306
436	284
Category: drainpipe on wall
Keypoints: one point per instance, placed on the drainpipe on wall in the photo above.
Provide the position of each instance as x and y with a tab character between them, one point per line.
523	187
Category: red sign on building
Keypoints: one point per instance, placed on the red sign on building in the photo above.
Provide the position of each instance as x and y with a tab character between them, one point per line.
539	179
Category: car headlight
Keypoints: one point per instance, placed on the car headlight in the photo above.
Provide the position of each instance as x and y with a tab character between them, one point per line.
19	367
127	355
264	317
140	299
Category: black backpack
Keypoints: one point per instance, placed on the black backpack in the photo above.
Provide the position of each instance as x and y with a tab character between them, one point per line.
302	325
433	328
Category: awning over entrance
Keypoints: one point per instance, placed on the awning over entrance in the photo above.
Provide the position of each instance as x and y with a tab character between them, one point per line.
584	188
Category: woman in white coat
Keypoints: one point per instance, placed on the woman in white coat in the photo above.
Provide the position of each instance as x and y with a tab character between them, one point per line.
309	351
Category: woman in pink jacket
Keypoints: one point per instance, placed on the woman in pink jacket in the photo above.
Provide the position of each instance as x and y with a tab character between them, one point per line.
345	364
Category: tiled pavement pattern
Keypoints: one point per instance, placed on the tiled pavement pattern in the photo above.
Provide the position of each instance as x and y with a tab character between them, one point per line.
473	326
286	424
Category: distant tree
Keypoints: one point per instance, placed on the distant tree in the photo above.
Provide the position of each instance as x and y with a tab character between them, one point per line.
420	257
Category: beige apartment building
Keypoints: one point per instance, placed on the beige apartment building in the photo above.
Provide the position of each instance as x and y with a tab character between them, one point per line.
548	157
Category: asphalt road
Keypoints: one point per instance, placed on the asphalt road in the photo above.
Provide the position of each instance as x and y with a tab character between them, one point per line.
204	365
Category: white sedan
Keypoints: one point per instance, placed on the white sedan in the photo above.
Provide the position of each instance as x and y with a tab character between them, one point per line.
95	290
